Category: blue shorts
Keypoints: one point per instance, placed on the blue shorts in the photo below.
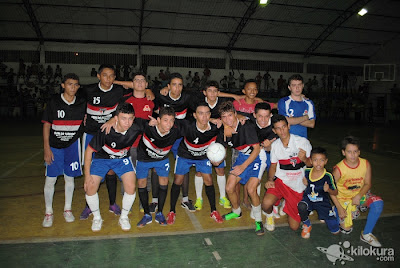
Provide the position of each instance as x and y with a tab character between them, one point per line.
252	170
162	168
86	138
222	165
175	147
66	161
323	208
182	165
100	167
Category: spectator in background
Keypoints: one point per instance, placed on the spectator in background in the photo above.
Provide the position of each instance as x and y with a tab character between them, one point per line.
258	80
127	71
189	79
338	82
163	78
58	72
242	81
224	82
93	73
266	78
323	80
10	77
206	72
49	72
196	80
167	73
231	81
150	82
280	84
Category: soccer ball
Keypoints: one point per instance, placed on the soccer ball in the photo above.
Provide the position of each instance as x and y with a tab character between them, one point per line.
216	152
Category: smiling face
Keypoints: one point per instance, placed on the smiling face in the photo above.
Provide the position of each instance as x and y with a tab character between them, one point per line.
229	119
250	90
165	123
263	117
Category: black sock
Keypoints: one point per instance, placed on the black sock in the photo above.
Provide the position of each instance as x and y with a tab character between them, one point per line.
144	199
155	184
175	189
185	185
303	210
161	197
210	192
111	182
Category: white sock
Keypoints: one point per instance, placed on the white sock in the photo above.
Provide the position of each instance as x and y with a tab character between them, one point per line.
221	181
93	203
269	215
257	212
49	193
237	211
69	191
185	199
155	200
198	184
127	202
259	189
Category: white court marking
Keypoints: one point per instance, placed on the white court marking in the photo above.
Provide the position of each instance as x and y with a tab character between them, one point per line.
8	172
208	241
216	255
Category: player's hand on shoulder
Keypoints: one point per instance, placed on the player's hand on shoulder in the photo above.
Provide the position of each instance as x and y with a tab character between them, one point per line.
270	184
164	91
106	127
216	122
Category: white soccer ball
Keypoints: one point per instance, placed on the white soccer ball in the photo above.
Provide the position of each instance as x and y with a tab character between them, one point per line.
216	152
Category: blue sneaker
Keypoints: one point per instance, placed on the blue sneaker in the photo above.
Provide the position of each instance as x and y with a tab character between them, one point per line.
115	209
85	213
147	219
161	219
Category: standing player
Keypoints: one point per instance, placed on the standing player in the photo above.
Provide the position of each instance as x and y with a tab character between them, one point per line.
353	178
319	185
289	155
298	111
153	150
62	121
112	152
192	150
246	167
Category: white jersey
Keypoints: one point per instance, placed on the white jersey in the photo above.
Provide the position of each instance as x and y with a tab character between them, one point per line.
290	169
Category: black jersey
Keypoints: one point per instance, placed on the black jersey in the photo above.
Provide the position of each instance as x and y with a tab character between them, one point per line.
244	138
154	146
116	144
265	133
182	106
215	108
65	119
101	105
195	142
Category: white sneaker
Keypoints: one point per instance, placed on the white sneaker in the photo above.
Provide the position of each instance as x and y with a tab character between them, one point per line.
270	223
282	206
96	224
68	216
275	212
370	239
124	223
48	220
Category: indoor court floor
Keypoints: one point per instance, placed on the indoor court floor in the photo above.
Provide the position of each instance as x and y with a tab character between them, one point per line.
195	239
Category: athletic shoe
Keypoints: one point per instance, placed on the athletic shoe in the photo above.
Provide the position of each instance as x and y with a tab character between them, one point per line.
171	218
346	231
259	228
68	216
189	206
48	220
124	223
281	212
225	202
161	219
199	204
216	216
270	223
153	207
305	233
147	219
96	224
85	213
115	209
231	216
370	239
275	212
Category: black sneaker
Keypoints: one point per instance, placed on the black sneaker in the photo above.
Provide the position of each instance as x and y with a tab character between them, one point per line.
189	206
153	207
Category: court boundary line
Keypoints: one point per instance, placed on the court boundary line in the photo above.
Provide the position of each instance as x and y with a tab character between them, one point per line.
140	235
11	170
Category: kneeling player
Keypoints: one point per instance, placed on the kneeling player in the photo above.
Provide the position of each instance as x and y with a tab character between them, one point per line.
320	185
112	153
62	122
353	179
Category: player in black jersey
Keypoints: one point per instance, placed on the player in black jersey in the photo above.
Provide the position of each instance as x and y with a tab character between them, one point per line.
246	167
112	153
153	150
62	127
192	150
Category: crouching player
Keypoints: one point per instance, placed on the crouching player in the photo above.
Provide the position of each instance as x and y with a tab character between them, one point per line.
112	153
62	121
247	165
320	185
353	180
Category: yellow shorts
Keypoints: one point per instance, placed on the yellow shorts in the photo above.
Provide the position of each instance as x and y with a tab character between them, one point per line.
350	208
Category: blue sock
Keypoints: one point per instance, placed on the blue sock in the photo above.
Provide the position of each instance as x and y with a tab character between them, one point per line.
307	222
375	210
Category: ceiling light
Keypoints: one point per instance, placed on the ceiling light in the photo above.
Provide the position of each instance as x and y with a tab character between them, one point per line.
362	12
263	2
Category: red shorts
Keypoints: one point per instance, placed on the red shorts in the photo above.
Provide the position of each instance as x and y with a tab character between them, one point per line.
292	198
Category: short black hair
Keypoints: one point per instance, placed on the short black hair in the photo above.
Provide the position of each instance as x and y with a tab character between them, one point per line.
262	106
319	150
106	66
202	103
277	118
125	108
211	83
295	77
350	140
226	107
250	81
139	73
175	75
166	111
72	76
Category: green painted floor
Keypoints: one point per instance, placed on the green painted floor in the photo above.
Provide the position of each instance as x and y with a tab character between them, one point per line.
281	248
